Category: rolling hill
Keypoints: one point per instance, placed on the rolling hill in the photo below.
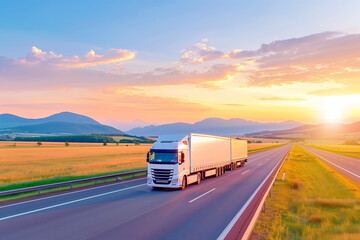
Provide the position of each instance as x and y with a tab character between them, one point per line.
66	128
313	131
58	124
10	120
215	126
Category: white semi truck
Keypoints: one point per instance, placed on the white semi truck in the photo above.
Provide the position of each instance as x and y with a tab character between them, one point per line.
175	161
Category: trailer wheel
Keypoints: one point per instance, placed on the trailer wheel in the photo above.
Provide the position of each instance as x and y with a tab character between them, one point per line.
223	170
202	175
217	172
198	178
183	183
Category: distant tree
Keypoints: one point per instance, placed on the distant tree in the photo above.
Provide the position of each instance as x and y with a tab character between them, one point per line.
39	143
67	144
137	143
258	141
248	141
104	143
351	142
117	143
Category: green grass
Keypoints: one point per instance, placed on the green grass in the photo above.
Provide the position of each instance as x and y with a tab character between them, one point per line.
62	188
266	148
347	150
314	202
45	181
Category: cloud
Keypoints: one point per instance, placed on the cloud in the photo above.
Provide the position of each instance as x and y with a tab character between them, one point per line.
17	75
318	58
233	104
200	52
327	57
36	55
122	101
282	99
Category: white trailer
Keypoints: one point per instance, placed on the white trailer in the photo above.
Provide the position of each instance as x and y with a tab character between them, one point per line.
174	161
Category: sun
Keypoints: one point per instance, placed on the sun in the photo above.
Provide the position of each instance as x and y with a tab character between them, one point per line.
333	111
335	108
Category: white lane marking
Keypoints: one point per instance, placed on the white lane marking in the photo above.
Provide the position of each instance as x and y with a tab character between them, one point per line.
259	164
202	195
70	202
332	163
245	172
59	195
237	216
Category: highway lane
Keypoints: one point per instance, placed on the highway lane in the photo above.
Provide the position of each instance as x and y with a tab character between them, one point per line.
348	166
131	210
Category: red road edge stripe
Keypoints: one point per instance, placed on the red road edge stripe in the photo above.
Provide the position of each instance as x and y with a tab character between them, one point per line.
252	212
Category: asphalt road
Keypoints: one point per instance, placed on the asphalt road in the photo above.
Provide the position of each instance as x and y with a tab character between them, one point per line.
348	166
131	210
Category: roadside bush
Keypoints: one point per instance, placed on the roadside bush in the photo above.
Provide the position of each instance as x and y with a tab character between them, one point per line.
39	143
67	144
314	219
295	184
351	142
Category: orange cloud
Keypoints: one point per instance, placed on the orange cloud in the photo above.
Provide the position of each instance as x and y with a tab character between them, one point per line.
36	55
282	99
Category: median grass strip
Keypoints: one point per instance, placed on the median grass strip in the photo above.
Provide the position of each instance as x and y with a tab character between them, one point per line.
63	188
254	149
314	202
347	150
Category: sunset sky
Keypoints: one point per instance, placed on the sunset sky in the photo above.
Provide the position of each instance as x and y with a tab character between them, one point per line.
167	61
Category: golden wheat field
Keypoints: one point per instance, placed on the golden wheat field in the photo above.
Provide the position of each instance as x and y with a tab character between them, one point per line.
34	163
29	162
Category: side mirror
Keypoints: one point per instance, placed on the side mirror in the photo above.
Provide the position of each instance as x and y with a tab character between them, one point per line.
148	156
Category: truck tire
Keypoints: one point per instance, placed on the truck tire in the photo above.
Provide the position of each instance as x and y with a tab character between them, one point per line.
202	175
183	183
198	178
217	172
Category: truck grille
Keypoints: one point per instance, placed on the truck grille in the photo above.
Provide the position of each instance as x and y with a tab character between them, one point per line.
162	176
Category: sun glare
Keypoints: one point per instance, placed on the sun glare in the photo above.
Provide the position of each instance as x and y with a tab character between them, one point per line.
336	108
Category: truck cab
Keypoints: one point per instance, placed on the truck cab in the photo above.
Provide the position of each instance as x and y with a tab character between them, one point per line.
168	162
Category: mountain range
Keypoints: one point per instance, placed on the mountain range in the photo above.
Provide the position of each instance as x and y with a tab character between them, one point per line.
214	126
314	131
60	123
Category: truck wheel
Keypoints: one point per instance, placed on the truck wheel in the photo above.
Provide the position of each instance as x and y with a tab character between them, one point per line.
183	183
217	172
198	178
203	175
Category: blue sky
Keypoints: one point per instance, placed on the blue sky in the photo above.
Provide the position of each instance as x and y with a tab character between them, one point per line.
160	29
260	60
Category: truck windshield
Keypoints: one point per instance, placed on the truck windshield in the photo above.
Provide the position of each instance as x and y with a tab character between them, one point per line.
163	157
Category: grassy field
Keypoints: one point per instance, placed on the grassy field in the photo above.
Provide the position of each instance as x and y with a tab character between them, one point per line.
314	202
348	150
57	163
257	147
